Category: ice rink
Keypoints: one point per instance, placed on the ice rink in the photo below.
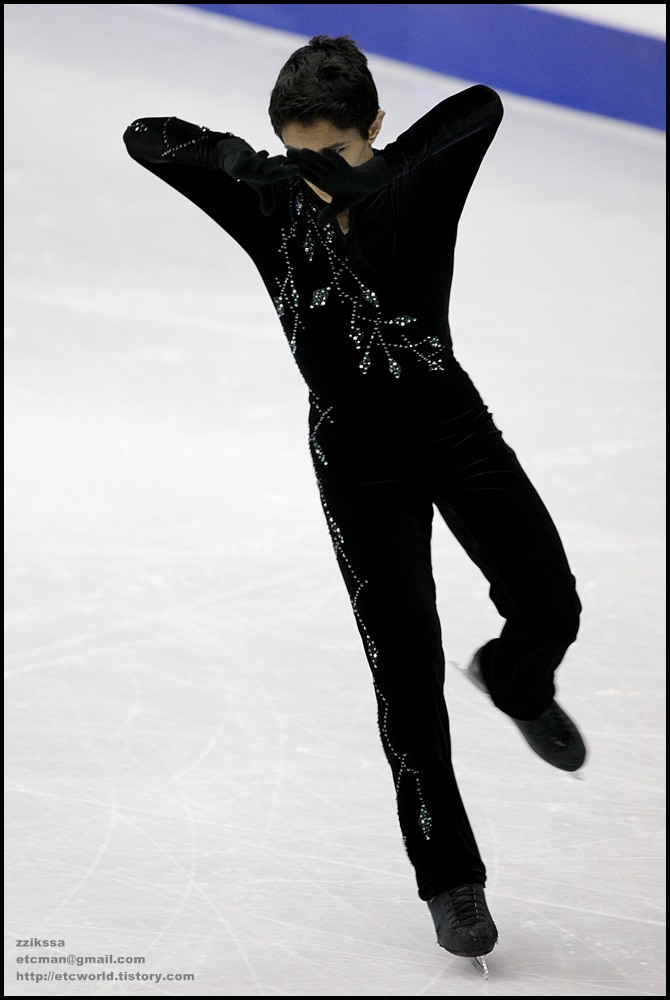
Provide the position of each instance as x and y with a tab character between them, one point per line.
195	776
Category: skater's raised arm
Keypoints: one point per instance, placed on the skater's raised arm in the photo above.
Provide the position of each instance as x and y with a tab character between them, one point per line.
221	173
476	111
451	140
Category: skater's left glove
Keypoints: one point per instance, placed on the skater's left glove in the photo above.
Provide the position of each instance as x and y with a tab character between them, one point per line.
348	185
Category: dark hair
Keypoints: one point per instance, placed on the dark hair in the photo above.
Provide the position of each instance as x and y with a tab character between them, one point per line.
328	78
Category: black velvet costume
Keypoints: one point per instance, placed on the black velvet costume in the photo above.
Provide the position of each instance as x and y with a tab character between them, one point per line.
396	428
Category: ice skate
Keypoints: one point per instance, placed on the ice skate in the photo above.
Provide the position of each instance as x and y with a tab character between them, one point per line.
464	925
552	735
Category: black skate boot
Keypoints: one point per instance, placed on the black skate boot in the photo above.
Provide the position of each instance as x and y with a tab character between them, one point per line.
552	735
463	923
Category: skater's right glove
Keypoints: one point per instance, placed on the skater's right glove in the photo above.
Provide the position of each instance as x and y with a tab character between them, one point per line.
346	184
257	169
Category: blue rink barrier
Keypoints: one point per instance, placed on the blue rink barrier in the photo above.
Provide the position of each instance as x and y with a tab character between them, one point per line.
536	53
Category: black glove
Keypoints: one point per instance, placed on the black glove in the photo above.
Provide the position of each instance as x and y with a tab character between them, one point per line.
347	185
259	170
477	109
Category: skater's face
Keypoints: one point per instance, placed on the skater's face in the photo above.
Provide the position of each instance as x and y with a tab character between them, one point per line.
322	134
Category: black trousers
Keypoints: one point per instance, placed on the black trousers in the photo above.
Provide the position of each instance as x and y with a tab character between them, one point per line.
378	499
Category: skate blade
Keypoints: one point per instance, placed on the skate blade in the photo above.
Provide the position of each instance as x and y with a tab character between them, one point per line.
467	673
480	965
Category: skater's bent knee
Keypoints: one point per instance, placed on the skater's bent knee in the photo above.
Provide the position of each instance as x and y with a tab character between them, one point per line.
559	626
569	618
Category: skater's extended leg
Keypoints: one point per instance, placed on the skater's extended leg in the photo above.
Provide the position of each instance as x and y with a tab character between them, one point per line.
381	533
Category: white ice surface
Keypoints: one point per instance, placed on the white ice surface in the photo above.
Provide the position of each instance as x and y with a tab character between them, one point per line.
195	775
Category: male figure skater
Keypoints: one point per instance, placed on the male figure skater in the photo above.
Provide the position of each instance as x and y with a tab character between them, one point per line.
356	248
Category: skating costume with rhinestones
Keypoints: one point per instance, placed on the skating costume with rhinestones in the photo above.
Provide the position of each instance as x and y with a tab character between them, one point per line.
396	429
366	315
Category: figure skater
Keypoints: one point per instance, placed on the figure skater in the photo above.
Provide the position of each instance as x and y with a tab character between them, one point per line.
355	245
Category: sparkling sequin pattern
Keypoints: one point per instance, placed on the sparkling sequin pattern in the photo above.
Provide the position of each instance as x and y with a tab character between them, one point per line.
395	757
425	820
375	338
287	300
338	545
319	297
323	415
171	149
